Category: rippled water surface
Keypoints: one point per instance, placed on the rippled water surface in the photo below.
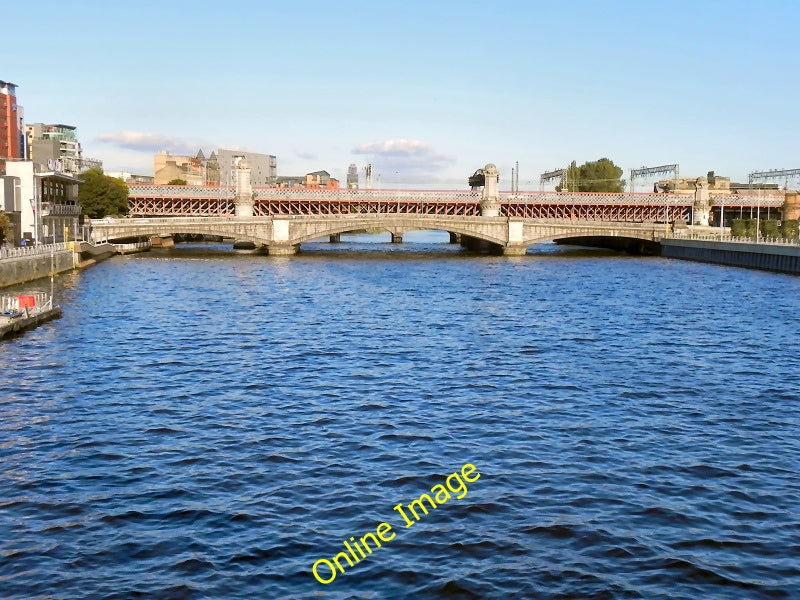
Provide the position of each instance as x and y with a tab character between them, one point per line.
207	424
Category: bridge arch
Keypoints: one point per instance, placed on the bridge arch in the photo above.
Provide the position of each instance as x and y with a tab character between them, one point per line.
475	227
633	244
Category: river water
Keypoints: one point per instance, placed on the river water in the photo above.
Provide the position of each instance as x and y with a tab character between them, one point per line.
209	424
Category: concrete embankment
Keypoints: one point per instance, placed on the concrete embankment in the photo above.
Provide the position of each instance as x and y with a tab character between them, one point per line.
23	265
770	257
29	267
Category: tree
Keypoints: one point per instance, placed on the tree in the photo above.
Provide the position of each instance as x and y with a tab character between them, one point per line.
597	176
100	195
177	182
5	228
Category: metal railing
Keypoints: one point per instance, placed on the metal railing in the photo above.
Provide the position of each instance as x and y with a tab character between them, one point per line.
133	246
42	302
53	209
25	251
710	237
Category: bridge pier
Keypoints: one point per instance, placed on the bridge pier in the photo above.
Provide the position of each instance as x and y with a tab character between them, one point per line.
474	244
397	238
515	245
455	238
515	250
336	238
282	249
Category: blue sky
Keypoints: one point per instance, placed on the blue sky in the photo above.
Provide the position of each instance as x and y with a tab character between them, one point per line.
425	91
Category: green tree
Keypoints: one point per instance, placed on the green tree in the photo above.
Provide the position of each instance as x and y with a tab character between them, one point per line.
5	228
596	176
789	229
177	182
100	195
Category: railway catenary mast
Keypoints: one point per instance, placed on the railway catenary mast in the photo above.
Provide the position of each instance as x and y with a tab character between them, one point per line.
661	170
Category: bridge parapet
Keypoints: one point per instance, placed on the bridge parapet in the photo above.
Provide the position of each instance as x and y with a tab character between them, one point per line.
766	200
360	195
596	198
181	191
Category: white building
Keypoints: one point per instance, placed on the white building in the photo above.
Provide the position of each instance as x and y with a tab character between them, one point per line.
42	205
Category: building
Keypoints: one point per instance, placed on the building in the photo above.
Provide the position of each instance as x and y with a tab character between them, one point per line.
38	187
758	187
217	169
169	167
194	170
309	181
56	147
11	138
263	167
687	185
132	178
321	179
352	177
42	205
291	181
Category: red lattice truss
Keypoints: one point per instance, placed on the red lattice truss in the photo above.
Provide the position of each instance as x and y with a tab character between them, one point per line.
178	201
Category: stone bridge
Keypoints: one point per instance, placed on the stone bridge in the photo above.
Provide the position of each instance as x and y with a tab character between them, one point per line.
283	235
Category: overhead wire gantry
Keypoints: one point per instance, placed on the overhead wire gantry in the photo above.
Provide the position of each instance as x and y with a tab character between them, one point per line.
785	174
549	176
662	170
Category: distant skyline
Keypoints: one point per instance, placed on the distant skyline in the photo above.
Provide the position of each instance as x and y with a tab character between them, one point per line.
426	92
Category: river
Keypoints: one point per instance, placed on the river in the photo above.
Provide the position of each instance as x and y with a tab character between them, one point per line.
203	423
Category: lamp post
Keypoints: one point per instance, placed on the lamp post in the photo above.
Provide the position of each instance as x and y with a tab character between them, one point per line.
758	216
35	219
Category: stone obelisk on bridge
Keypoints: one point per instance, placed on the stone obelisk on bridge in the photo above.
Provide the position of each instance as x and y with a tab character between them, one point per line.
490	201
243	203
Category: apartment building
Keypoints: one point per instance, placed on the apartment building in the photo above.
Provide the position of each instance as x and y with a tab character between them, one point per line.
56	146
11	140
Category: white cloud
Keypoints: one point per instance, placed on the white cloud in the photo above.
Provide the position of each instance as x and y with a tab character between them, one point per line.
151	142
401	147
405	160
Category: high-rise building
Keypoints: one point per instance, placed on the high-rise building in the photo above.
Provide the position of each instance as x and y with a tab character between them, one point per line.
11	144
352	177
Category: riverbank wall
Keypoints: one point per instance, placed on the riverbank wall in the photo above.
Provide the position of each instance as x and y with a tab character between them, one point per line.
784	258
20	265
